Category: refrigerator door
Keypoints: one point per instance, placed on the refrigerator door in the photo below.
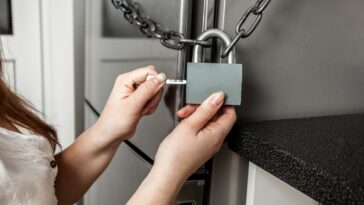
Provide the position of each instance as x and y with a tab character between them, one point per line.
114	46
305	58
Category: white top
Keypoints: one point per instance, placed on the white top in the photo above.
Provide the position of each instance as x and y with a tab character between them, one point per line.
26	174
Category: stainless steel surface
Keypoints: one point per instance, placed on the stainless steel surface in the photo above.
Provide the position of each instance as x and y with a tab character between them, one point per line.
79	62
184	27
229	178
203	16
211	33
304	60
114	25
203	19
192	193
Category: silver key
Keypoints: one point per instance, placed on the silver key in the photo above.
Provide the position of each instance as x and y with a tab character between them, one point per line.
176	82
169	81
172	81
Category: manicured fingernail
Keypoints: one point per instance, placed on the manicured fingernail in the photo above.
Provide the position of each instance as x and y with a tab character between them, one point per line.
159	79
162	76
217	99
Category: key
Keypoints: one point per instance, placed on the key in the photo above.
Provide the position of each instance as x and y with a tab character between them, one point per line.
172	81
176	82
168	81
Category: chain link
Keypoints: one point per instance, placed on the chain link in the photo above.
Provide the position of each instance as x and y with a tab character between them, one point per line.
176	40
256	10
151	29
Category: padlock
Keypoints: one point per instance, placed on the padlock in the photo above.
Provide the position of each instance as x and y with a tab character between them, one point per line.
203	79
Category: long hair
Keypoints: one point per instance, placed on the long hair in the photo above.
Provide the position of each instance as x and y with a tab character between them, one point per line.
19	112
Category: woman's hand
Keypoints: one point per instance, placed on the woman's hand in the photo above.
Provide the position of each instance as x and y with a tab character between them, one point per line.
132	97
195	140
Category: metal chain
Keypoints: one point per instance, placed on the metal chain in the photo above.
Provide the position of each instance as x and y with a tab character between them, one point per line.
176	40
151	29
257	10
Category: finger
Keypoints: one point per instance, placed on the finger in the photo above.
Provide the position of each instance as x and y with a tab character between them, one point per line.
204	112
186	111
147	90
223	123
216	116
140	75
128	80
152	105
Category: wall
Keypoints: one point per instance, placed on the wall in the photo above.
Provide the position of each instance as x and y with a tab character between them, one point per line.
63	54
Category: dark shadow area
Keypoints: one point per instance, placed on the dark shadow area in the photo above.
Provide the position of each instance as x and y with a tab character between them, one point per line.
6	25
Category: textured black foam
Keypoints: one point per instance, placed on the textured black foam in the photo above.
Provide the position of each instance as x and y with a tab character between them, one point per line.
323	157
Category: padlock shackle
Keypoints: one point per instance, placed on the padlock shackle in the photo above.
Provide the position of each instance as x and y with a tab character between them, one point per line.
217	33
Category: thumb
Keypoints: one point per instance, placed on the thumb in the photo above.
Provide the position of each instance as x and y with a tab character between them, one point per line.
147	90
205	112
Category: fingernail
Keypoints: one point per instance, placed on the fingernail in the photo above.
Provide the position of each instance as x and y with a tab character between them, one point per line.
217	99
159	79
162	76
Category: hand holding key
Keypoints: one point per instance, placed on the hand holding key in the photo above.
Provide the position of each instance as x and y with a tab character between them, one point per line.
127	102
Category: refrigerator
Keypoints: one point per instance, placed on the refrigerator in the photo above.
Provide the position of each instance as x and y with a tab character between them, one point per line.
286	62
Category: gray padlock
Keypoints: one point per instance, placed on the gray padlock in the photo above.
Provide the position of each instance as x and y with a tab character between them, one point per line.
203	79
